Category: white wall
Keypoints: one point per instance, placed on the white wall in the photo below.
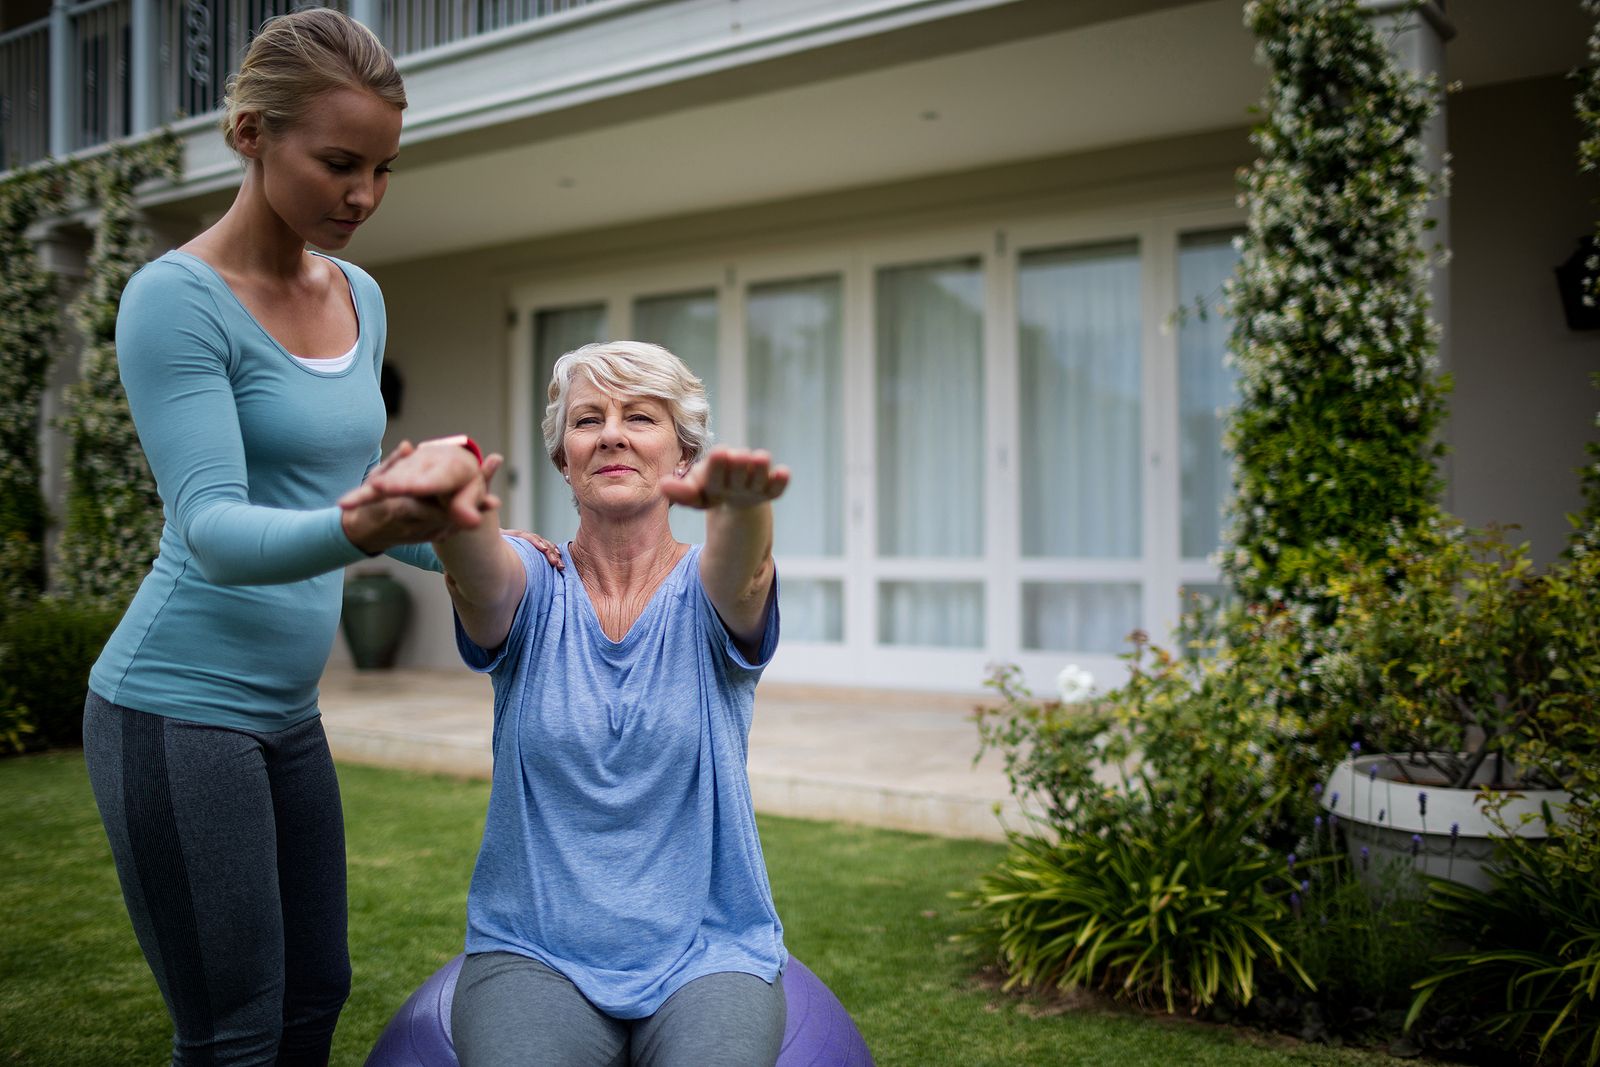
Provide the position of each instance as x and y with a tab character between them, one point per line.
1523	406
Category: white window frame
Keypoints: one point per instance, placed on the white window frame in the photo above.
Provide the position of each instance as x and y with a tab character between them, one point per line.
859	660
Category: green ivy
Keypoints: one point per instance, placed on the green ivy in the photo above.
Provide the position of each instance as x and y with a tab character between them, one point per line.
29	331
113	520
1333	436
1586	532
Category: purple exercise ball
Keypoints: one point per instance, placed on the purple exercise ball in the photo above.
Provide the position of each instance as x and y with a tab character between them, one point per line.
817	1033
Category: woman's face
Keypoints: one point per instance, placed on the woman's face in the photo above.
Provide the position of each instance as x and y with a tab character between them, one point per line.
326	175
618	449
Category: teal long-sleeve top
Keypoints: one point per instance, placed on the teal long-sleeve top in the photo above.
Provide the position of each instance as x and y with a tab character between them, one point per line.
250	452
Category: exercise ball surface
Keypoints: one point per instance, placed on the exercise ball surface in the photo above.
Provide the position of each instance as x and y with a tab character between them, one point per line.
817	1033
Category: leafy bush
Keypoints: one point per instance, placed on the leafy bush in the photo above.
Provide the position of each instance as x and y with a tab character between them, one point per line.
1363	933
1453	648
1531	973
1160	905
1148	877
46	651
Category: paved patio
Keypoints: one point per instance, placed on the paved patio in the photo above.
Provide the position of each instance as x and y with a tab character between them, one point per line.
892	759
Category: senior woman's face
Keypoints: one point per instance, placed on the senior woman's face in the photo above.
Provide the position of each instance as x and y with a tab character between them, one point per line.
618	448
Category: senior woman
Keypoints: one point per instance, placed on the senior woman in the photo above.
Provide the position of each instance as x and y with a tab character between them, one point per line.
619	912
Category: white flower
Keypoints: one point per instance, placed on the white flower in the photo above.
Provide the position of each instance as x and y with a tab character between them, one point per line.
1074	683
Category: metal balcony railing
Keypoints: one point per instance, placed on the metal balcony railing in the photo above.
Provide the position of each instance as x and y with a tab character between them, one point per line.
99	70
25	94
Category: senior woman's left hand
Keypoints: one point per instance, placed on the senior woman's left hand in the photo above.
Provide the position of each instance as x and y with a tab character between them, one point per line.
729	477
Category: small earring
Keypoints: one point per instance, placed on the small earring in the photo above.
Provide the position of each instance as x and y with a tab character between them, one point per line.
568	477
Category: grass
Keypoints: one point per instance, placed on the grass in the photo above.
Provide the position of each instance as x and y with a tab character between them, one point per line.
868	910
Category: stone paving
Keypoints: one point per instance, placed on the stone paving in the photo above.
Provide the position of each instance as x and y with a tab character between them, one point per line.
881	758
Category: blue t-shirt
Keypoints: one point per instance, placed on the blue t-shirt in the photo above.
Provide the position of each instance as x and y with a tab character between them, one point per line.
250	451
621	847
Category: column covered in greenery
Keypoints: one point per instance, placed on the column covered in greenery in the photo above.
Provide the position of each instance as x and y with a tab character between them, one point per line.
113	516
29	333
1586	537
1339	399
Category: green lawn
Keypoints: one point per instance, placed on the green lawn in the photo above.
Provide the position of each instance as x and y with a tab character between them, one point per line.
868	910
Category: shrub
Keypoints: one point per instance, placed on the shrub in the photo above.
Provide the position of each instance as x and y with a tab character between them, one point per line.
1530	976
1158	905
1453	648
46	651
1363	933
1147	875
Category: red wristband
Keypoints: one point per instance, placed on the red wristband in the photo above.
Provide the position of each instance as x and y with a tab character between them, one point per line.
460	439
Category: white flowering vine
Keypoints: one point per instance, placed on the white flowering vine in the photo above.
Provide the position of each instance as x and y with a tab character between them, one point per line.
29	334
113	520
1339	398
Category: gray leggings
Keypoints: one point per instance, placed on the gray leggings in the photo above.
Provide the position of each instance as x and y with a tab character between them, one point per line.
230	848
512	1011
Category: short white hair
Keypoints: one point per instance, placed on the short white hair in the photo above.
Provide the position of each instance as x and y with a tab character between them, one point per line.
630	369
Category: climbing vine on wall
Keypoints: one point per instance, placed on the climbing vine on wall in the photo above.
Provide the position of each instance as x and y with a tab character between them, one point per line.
113	515
1339	400
1586	534
29	334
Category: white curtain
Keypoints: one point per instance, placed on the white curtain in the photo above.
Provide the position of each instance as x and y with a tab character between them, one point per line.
1079	616
686	325
813	609
941	614
1206	387
556	331
929	464
794	348
930	461
1079	346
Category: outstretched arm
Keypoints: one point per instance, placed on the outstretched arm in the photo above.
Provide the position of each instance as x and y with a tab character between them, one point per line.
482	572
735	487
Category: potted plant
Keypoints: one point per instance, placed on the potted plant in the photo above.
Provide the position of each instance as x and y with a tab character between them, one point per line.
1450	653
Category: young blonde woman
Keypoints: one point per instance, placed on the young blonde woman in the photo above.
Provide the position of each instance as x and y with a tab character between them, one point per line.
251	367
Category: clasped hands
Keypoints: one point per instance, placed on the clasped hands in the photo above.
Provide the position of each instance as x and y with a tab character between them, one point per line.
426	492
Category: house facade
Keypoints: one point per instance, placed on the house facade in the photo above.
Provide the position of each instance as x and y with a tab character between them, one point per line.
928	252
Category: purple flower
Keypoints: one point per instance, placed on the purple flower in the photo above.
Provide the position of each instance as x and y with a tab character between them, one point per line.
1366	858
1334	806
1316	789
1455	831
1355	748
1422	803
1416	843
1317	822
1305	887
1294	902
1291	861
1372	773
1381	813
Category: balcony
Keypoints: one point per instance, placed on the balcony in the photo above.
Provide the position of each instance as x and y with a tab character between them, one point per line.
99	71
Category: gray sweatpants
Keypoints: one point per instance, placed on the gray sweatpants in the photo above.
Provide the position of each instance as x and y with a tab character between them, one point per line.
230	848
512	1011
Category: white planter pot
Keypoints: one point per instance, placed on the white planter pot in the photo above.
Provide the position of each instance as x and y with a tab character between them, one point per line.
1382	813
